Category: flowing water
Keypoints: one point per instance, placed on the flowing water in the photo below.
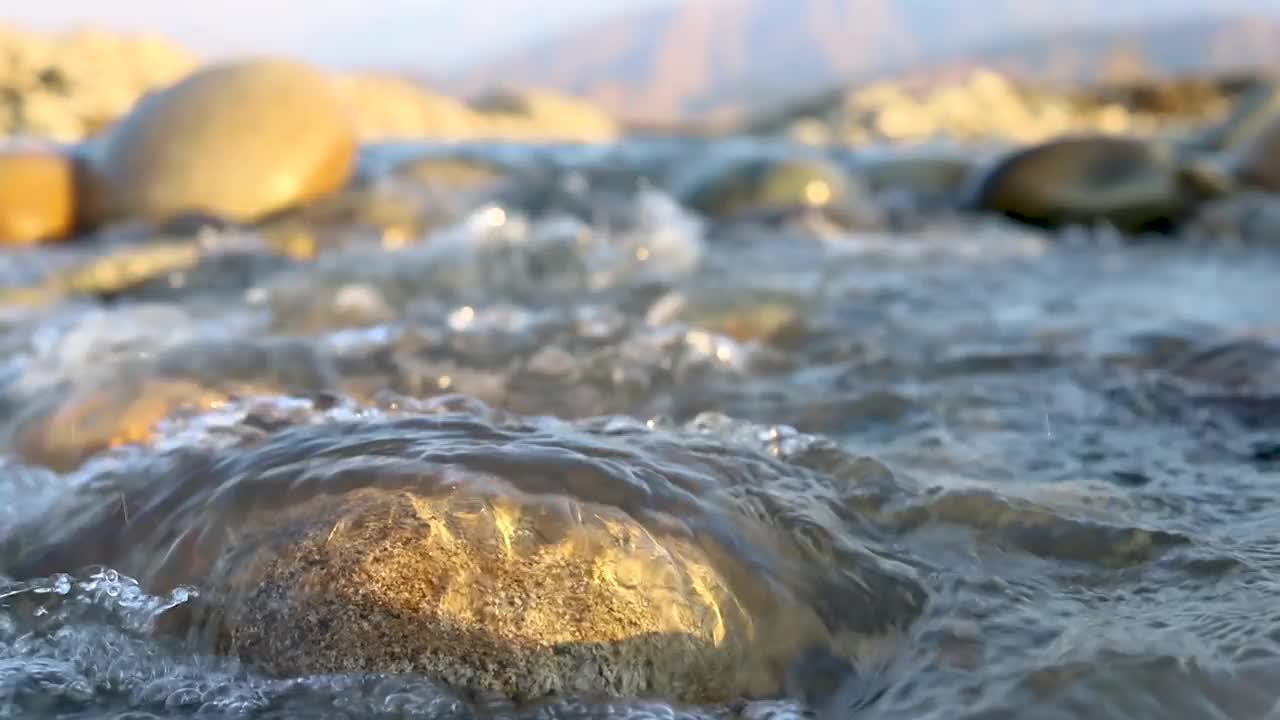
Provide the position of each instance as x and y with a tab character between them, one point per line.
990	472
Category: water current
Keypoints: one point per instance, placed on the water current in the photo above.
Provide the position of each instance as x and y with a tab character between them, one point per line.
960	469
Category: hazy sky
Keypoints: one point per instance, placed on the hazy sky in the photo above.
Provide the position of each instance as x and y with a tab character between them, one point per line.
425	33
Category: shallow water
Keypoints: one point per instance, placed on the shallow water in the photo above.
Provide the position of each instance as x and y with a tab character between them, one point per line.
1009	474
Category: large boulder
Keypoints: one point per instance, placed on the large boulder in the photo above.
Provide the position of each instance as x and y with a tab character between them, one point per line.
238	140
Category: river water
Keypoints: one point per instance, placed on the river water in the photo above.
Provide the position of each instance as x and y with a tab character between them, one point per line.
1032	475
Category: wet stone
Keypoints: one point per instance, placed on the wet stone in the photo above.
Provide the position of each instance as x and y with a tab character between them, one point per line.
1132	184
765	187
485	595
499	557
123	402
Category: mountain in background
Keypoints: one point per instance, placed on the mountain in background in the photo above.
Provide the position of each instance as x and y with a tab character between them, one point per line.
702	59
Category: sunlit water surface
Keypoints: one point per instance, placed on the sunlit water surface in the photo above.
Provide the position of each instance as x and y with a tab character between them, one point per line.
1071	448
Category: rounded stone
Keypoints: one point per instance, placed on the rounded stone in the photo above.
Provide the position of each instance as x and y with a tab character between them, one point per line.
62	435
500	593
762	186
37	195
1132	184
239	140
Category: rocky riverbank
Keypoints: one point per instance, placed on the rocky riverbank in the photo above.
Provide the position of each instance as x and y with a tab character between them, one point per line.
983	106
70	86
266	143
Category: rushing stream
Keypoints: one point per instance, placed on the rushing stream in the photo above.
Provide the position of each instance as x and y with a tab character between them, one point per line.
956	469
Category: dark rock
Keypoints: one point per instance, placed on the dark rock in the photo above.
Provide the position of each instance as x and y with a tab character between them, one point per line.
1134	185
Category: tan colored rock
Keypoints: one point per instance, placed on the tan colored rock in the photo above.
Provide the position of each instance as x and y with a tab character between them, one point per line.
109	414
238	140
37	195
126	401
503	594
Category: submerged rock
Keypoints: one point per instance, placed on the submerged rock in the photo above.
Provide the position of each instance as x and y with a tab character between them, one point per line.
527	596
37	195
531	559
768	186
1135	185
123	403
449	173
238	140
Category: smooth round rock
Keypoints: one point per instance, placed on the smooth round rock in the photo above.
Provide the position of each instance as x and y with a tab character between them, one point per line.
237	140
37	196
1131	184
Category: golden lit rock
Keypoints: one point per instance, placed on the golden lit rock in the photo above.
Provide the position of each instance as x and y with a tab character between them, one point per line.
509	594
37	196
106	415
238	140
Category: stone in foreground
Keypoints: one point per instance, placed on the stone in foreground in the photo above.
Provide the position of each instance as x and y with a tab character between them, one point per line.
527	560
237	140
500	594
